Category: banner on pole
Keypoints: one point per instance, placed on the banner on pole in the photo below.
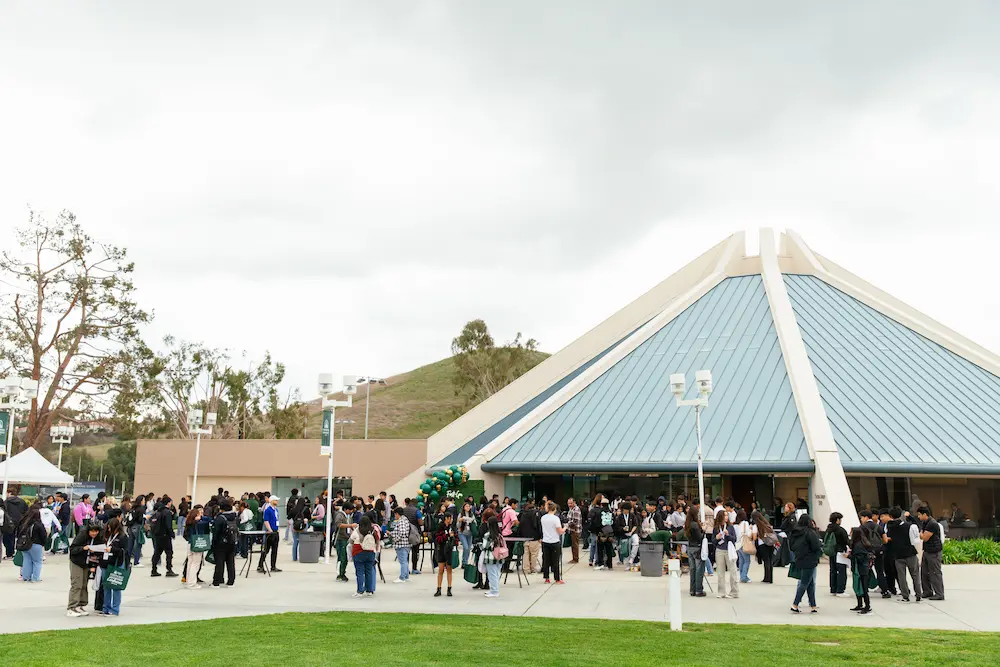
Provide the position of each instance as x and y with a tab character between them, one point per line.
4	425
326	434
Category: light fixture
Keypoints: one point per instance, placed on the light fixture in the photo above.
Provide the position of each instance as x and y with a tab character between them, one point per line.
678	387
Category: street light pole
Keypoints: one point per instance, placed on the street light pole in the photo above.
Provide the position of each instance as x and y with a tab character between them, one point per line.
678	386
327	439
16	393
195	426
368	395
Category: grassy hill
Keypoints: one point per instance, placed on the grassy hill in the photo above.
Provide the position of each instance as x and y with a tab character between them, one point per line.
416	404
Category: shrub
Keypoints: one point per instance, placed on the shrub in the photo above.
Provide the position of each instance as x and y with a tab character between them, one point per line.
971	551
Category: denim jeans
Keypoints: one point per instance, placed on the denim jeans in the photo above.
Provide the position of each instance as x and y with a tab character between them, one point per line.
743	561
466	541
134	547
295	545
807	585
493	575
31	570
180	524
364	571
593	549
696	571
403	556
112	601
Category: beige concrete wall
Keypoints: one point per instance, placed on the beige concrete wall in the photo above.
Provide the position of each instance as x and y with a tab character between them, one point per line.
166	466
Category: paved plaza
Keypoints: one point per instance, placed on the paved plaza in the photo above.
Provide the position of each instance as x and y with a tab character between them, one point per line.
972	594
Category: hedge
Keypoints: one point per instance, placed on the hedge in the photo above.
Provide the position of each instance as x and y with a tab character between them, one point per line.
971	551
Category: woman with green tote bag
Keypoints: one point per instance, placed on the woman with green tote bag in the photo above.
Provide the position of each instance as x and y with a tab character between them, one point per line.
115	567
199	539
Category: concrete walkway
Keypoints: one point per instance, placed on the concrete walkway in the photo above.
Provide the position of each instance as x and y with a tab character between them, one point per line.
972	592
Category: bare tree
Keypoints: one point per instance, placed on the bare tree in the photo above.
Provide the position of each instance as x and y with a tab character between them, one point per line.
69	319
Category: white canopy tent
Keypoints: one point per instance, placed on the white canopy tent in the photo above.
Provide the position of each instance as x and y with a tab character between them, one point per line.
30	467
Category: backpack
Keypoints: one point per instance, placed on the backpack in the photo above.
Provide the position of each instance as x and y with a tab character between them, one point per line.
770	539
500	551
414	538
368	542
229	534
23	542
830	544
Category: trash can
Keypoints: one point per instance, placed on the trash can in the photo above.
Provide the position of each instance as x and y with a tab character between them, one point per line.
309	546
650	558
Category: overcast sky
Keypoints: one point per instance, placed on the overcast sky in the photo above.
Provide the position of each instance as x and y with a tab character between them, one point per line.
346	184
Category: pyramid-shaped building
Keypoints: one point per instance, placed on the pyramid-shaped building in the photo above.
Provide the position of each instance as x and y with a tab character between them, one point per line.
825	389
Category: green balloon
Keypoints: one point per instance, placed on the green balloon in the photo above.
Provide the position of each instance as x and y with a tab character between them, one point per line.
425	487
434	496
457	478
440	474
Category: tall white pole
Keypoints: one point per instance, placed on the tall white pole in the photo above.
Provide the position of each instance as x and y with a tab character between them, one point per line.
329	494
197	455
701	472
9	446
60	453
368	400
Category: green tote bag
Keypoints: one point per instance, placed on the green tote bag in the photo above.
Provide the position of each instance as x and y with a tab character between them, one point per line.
200	543
116	577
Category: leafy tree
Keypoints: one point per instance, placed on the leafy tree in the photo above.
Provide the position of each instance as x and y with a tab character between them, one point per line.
483	368
71	321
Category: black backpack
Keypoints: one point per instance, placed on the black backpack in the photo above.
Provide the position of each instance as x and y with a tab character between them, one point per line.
23	542
6	525
229	534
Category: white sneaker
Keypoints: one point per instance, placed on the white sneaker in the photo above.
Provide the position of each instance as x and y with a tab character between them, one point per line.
82	612
399	581
492	595
599	567
73	613
357	595
138	565
194	587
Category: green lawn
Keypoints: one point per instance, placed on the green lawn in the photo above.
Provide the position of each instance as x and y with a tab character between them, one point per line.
353	638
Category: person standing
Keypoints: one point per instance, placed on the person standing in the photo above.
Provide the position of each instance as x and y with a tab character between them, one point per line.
364	543
804	544
594	528
445	538
905	554
888	558
766	539
696	556
290	513
162	529
271	537
81	561
50	521
225	536
725	542
415	517
491	562
182	511
627	534
299	518
552	532
862	561
531	529
62	510
115	555
835	545
30	541
931	576
135	523
195	523
746	543
15	509
574	524
466	526
401	544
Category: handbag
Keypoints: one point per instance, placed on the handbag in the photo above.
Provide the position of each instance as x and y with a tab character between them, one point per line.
793	571
470	573
116	577
731	552
18	558
566	542
747	543
200	543
210	556
454	560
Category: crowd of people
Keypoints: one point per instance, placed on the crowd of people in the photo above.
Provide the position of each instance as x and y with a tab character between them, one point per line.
104	539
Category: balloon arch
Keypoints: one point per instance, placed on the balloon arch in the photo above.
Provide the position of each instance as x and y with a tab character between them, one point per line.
436	487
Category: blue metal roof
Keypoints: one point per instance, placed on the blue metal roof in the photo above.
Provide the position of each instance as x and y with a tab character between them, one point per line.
897	402
626	419
463	453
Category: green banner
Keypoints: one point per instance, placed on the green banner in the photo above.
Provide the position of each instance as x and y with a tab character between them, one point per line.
4	425
326	434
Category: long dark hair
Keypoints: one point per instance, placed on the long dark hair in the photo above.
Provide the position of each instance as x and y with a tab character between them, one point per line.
494	527
763	527
365	525
692	520
860	536
114	529
31	516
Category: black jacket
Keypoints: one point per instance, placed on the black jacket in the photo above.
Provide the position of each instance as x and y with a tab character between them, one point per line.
64	514
220	524
624	523
77	555
164	524
899	534
875	533
805	544
16	508
118	550
695	536
530	524
37	532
